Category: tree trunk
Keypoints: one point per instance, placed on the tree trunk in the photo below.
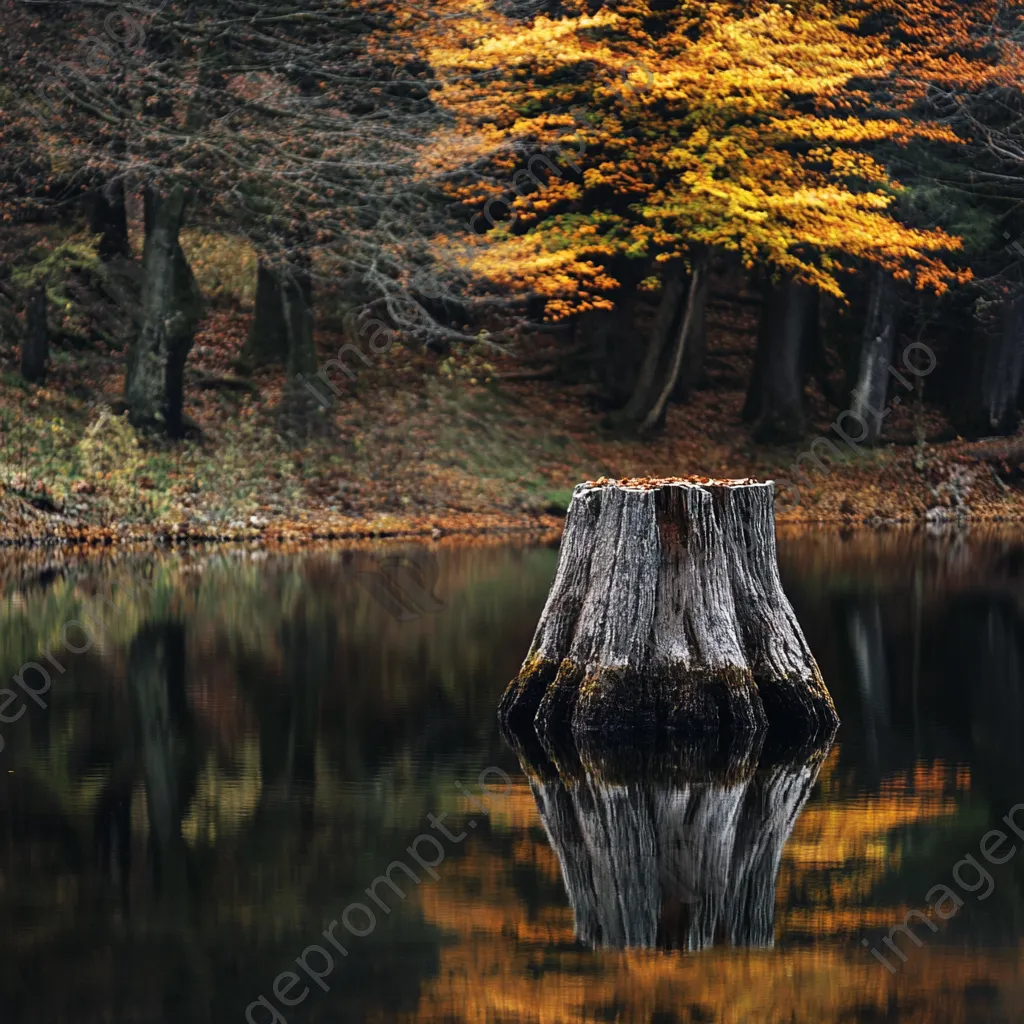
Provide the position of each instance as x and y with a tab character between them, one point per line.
171	307
667	613
775	398
156	677
989	640
692	374
268	334
35	347
672	863
150	203
112	823
752	403
306	642
694	311
867	641
998	371
608	336
109	220
871	387
815	359
645	387
306	397
289	717
687	307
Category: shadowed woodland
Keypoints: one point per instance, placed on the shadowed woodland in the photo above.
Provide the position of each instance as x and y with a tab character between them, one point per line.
227	228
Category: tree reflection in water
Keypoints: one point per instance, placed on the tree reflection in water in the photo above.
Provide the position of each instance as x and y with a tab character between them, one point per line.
669	845
318	730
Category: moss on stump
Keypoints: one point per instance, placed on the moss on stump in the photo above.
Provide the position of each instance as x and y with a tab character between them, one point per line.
667	612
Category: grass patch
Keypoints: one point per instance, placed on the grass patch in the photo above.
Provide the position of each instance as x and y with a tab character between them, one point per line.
224	266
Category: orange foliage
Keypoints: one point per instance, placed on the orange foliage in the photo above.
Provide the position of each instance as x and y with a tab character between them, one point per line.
741	128
510	958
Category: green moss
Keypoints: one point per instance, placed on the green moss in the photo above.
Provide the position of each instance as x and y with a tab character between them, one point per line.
558	501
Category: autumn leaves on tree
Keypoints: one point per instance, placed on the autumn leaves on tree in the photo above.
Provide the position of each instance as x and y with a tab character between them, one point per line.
289	127
468	169
702	129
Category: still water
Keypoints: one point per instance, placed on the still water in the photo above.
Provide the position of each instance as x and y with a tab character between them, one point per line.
189	827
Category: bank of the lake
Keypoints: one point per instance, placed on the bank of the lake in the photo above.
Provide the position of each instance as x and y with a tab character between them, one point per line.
419	446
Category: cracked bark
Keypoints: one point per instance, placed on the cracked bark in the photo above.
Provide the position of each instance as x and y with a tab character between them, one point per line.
667	612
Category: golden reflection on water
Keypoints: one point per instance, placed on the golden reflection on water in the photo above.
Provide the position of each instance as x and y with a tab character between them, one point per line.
293	656
505	960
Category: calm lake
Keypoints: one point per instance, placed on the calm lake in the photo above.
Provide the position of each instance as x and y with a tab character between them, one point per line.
247	742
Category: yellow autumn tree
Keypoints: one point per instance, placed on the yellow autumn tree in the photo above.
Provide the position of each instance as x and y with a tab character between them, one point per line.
643	134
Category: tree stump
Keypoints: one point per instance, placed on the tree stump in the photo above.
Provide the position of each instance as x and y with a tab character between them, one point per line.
667	612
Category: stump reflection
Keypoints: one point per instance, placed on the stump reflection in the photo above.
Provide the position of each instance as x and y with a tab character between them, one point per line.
666	848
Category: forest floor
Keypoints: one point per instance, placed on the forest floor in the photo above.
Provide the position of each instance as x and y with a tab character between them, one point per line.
425	446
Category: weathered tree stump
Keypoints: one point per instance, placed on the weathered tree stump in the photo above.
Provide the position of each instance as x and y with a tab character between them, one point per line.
667	612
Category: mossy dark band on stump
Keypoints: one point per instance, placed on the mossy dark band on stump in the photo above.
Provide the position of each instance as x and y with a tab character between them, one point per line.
667	611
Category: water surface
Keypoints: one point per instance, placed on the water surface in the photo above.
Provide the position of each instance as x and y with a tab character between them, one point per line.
251	740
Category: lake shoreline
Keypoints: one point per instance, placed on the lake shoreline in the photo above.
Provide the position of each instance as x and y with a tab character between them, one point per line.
26	527
411	453
50	530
